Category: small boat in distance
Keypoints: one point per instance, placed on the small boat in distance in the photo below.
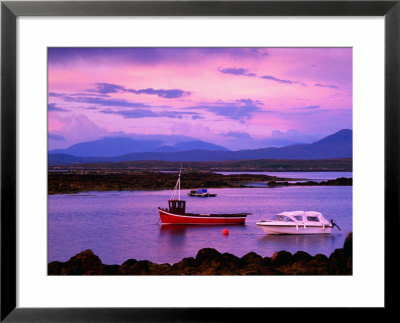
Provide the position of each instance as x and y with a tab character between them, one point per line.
176	212
298	222
201	192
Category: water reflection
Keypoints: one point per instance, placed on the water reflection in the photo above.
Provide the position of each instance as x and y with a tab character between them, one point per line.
122	225
293	243
166	228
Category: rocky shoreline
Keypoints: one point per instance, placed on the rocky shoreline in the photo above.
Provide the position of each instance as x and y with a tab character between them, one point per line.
128	180
209	261
341	181
121	180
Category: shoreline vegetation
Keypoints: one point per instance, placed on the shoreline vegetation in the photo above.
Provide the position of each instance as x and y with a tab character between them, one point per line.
159	175
86	180
209	261
250	165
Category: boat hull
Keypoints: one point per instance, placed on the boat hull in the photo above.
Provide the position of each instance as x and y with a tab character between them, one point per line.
293	229
189	218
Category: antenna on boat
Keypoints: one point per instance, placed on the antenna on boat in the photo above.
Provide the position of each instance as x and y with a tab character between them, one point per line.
179	180
177	186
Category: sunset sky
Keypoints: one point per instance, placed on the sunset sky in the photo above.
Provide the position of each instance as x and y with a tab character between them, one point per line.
235	97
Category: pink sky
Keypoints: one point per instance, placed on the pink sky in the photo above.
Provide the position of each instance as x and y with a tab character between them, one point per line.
236	97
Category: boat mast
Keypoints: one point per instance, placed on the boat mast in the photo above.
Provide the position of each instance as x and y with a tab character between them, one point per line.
177	186
179	180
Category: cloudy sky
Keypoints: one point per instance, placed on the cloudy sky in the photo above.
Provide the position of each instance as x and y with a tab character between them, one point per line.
236	97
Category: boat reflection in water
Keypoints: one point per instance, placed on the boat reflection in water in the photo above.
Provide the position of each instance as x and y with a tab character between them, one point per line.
294	243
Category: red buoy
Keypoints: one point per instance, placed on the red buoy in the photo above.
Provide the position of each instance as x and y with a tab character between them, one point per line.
225	232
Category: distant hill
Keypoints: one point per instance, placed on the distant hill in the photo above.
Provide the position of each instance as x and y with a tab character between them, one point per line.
108	147
117	146
190	145
337	145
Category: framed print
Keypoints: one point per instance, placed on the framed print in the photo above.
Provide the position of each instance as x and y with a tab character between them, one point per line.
161	159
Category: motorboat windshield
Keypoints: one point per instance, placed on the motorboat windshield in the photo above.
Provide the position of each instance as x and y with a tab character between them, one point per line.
283	218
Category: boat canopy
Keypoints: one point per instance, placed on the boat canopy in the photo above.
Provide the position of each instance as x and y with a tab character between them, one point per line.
304	216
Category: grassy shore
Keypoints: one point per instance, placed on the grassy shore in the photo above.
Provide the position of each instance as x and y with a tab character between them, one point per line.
128	180
253	165
121	180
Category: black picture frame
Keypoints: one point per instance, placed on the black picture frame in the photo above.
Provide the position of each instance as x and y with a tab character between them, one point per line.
11	10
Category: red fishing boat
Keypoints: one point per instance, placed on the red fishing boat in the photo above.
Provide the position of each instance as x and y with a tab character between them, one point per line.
176	212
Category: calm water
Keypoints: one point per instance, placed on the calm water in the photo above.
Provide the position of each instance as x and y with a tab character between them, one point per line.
122	225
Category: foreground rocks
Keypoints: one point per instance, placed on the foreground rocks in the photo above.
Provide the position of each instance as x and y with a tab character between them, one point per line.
209	261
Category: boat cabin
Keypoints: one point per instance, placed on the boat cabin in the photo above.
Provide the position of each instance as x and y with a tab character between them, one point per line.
301	216
177	206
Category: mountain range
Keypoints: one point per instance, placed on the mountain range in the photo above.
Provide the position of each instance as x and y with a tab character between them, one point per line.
117	146
337	145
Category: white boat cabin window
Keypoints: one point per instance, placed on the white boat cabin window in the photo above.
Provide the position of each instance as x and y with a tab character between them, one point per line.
312	219
298	217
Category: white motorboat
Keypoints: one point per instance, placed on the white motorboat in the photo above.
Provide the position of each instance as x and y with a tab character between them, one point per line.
298	222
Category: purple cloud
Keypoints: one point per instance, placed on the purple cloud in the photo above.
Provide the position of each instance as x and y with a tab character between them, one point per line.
326	85
240	71
147	113
273	78
105	88
53	94
168	94
106	102
309	107
52	136
147	56
236	71
237	135
241	110
52	107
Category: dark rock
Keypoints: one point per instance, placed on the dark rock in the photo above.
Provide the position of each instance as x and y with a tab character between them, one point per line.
301	256
110	269
141	267
320	258
228	264
184	267
209	261
266	261
348	245
127	267
281	258
250	269
54	268
230	259
207	255
84	263
129	262
251	264
163	269
251	257
338	263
